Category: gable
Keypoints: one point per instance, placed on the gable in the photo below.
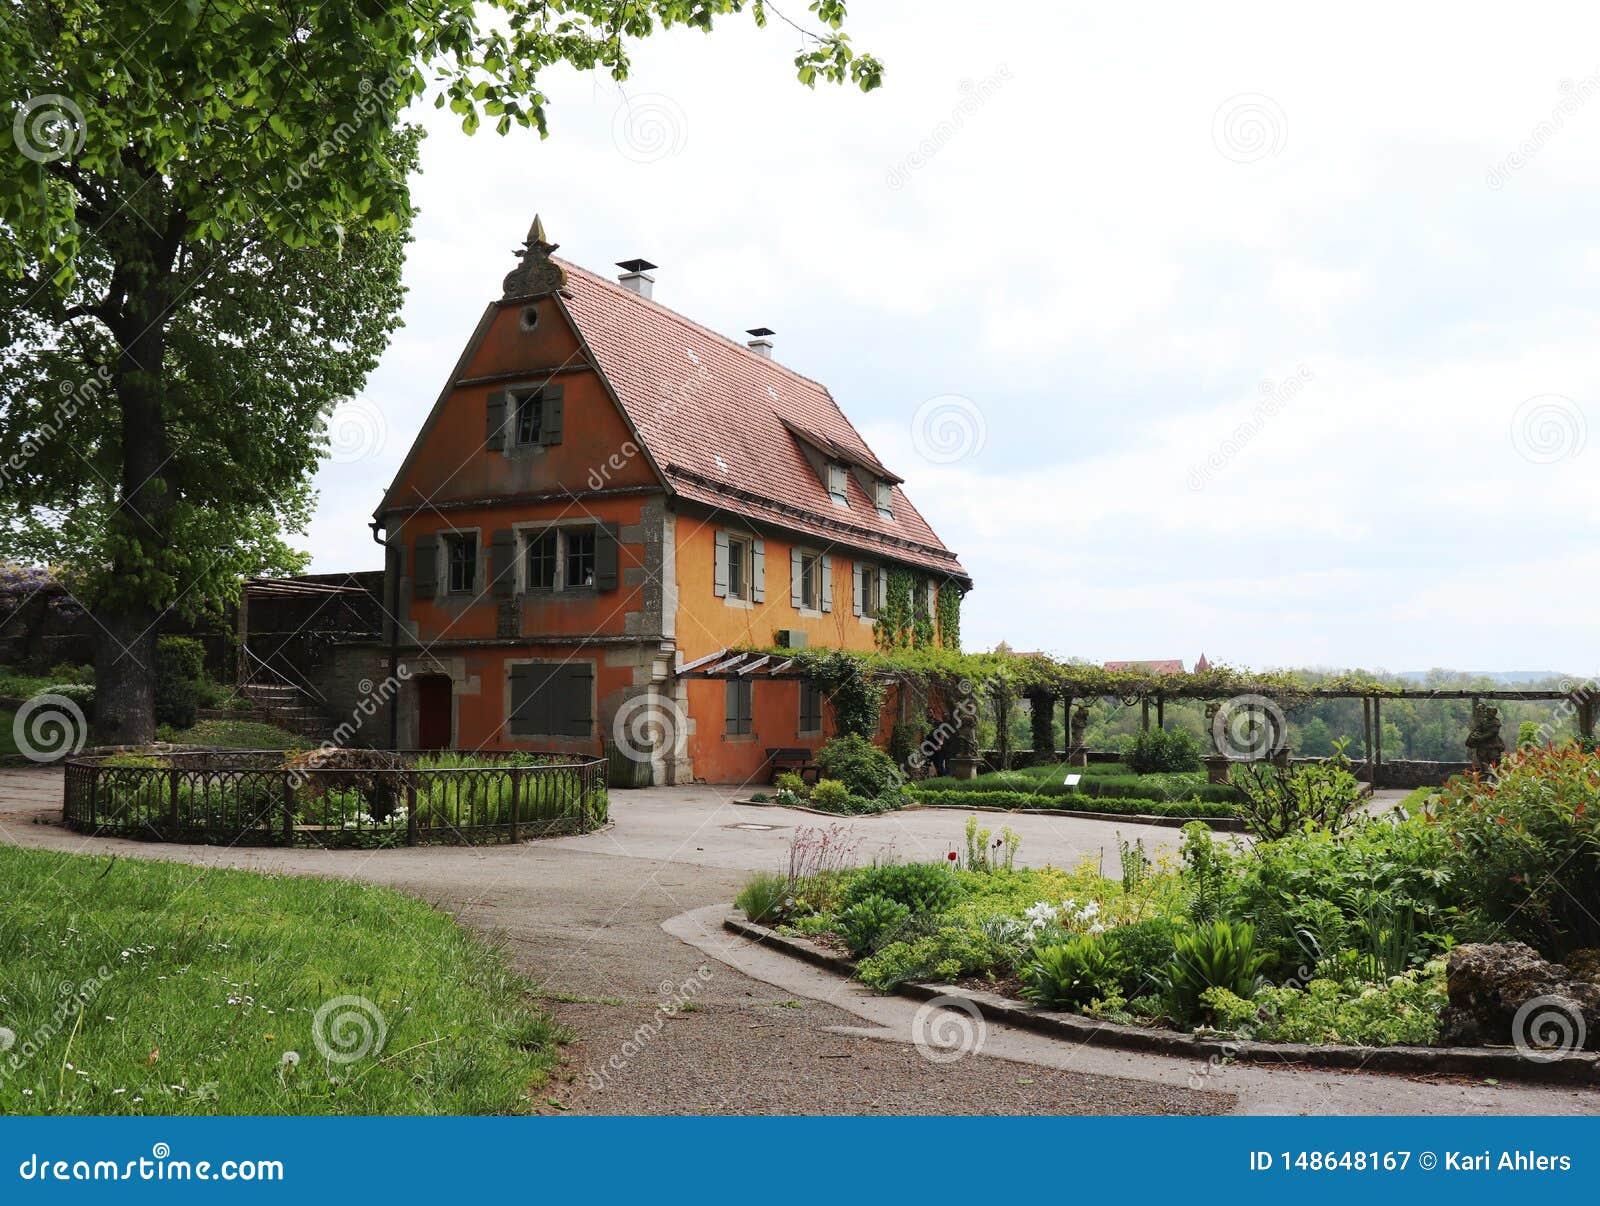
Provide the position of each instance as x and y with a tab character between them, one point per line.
521	348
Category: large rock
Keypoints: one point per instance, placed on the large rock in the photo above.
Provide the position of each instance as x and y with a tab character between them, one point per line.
1503	993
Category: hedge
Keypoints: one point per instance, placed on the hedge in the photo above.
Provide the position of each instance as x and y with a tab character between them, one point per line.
1029	801
1119	787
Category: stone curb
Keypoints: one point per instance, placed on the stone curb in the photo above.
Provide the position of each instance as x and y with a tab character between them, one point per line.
1479	1063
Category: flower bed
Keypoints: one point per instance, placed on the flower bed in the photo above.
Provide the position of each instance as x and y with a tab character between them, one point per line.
1334	933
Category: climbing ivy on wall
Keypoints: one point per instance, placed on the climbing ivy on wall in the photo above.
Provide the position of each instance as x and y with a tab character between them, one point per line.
922	621
894	617
855	692
948	605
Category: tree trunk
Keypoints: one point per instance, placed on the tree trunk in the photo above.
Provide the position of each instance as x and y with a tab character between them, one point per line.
128	609
124	675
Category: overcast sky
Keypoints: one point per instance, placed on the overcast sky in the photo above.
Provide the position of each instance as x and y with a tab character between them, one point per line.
1267	334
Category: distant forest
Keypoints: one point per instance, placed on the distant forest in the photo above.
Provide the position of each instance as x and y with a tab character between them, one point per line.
1429	729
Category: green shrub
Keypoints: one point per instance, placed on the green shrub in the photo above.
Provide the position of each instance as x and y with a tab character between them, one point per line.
1523	847
79	693
1157	751
1144	948
946	953
1073	973
180	667
1217	954
830	795
1276	803
864	924
921	887
791	782
67	672
1029	801
1208	878
861	766
1403	1010
764	898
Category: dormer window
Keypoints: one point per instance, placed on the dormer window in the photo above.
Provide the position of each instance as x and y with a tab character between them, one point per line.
836	479
883	496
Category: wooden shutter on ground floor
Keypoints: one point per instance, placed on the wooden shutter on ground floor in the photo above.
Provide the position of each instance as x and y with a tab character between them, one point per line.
738	692
552	699
575	710
503	563
530	702
758	571
551	418
606	538
425	575
719	574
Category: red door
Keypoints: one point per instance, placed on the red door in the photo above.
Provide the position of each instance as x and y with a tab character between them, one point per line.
433	712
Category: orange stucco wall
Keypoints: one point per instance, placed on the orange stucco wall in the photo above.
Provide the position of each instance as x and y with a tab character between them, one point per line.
707	623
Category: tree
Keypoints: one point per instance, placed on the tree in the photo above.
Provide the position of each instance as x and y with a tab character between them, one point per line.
203	205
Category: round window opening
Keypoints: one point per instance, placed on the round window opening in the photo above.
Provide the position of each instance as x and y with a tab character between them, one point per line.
530	317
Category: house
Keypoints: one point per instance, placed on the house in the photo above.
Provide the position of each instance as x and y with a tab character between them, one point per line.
1160	666
607	498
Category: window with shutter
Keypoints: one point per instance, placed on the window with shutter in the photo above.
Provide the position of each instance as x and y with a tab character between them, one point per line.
810	581
580	559
870	576
738	568
542	560
552	699
810	707
738	695
530	417
461	559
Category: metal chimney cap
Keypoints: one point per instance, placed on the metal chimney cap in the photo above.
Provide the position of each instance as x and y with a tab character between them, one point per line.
760	332
636	265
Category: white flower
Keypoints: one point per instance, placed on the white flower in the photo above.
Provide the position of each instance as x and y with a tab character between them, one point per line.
1097	928
1092	909
291	1058
1041	913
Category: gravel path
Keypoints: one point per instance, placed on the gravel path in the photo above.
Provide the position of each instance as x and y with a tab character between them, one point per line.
585	917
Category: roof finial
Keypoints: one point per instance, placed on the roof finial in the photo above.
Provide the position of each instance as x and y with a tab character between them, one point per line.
537	274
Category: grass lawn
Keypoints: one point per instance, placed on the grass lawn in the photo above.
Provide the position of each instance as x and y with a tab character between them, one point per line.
237	734
195	985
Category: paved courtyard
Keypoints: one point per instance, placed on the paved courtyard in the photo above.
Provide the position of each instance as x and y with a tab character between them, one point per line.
613	924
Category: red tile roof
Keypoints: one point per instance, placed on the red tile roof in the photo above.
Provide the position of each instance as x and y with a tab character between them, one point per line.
1163	666
721	421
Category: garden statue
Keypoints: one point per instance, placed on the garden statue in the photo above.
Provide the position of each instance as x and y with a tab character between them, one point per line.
1483	738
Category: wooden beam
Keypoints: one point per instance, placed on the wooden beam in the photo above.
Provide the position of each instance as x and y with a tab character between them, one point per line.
702	661
755	665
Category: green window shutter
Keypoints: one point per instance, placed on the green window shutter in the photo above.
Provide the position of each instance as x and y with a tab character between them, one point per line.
550	420
523	722
795	598
758	574
576	712
503	563
719	576
605	556
495	438
827	582
855	573
425	576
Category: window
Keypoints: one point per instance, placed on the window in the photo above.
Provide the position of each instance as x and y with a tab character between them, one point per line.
884	498
810	707
530	417
552	699
542	560
811	581
738	565
738	707
836	481
580	559
870	576
461	549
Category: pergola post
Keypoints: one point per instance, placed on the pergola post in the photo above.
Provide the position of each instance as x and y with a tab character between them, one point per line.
1161	711
1366	734
1043	707
1377	741
1144	713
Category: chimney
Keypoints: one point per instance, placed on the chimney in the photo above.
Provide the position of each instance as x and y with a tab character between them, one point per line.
636	276
761	345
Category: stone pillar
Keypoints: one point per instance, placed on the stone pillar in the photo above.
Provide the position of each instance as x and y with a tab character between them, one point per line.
1043	725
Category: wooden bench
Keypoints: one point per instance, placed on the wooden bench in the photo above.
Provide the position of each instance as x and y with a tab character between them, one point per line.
790	758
